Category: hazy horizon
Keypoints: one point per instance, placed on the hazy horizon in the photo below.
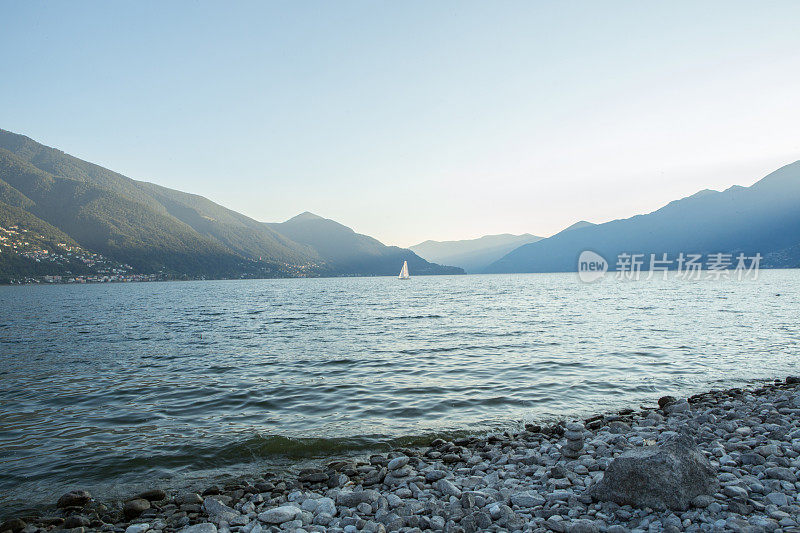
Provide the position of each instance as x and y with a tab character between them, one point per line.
414	122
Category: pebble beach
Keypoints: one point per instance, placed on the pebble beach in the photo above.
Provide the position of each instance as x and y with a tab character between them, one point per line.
724	460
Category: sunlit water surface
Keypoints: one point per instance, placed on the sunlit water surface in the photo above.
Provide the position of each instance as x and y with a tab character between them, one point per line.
113	387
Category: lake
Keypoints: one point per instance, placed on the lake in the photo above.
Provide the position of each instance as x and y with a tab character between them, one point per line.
117	386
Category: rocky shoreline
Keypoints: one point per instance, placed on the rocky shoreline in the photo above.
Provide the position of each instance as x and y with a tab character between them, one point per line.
718	461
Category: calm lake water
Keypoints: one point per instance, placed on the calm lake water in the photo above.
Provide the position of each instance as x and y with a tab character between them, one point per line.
113	387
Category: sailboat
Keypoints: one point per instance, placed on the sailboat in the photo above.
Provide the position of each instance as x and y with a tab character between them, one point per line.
404	271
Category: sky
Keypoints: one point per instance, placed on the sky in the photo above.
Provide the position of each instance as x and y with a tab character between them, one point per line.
411	121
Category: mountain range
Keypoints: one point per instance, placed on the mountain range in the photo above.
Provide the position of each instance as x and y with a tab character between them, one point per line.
476	255
761	219
154	229
344	250
60	214
473	255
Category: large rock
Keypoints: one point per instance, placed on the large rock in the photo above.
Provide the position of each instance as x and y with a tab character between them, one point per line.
153	495
313	475
447	488
352	498
398	462
75	498
219	512
279	515
325	505
784	474
659	477
135	507
666	400
14	525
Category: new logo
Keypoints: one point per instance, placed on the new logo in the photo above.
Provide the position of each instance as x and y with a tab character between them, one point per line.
591	266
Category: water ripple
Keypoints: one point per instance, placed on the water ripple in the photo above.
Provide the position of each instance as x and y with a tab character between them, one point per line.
107	385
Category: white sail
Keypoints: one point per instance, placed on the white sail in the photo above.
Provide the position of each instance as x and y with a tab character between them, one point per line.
404	271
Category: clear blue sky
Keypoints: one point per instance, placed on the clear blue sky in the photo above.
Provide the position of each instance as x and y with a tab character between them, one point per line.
413	120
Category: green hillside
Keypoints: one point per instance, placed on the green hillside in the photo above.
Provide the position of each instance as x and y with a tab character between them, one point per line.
111	223
235	232
159	230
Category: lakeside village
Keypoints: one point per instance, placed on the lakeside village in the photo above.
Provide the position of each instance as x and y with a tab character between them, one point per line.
98	269
73	264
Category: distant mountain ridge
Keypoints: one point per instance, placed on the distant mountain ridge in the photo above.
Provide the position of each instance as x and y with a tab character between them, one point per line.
154	228
578	225
348	251
763	218
473	255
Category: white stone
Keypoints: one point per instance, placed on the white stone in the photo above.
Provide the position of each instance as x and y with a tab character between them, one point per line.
279	515
327	506
397	462
309	505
